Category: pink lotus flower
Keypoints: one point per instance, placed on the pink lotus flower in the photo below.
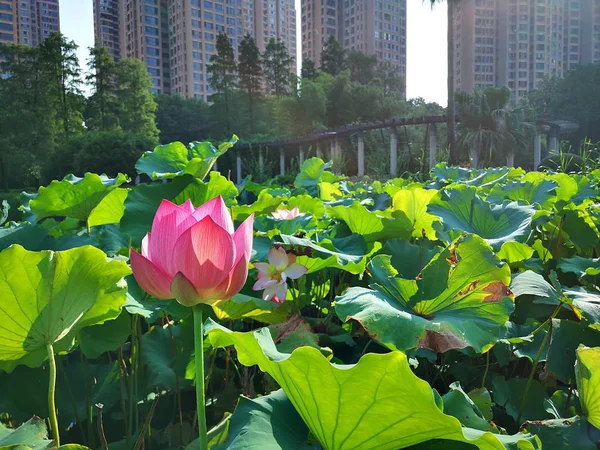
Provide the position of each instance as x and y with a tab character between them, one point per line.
286	214
194	254
272	276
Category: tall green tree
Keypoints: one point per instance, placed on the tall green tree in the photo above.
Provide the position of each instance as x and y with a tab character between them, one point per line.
451	109
181	119
59	62
391	82
362	66
137	106
250	74
333	57
340	103
101	107
276	67
309	70
222	70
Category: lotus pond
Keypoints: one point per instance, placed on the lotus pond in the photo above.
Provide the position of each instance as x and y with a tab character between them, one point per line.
459	310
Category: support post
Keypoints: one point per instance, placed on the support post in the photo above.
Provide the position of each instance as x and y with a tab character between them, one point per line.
432	141
510	160
261	161
393	152
361	155
319	151
215	166
300	155
281	161
474	159
537	150
553	141
238	166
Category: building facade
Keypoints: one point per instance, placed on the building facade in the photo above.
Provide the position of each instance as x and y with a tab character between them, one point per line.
516	43
176	38
28	22
375	27
106	26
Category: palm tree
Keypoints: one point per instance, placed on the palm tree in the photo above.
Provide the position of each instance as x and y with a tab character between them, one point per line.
490	130
451	110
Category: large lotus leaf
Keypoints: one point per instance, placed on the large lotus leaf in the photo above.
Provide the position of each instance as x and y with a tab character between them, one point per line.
106	337
172	160
577	226
580	266
81	199
45	295
373	225
461	209
562	405
413	202
541	192
110	209
244	307
377	403
566	337
143	201
460	299
32	237
561	434
311	173
509	394
267	422
446	174
409	259
587	373
31	435
458	404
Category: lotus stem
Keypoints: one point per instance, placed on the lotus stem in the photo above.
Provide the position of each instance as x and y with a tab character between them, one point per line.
199	357
51	391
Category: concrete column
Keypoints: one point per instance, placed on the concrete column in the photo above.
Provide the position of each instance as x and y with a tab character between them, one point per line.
281	162
300	155
215	167
510	160
537	150
361	155
474	159
432	141
238	166
393	152
319	151
553	141
261	161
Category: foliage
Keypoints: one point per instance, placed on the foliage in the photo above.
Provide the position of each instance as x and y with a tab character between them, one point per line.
276	67
333	57
102	106
181	119
250	73
431	314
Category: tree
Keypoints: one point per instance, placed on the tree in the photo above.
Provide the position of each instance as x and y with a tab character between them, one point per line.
309	71
58	59
221	70
575	98
362	66
333	57
340	104
101	107
391	82
181	119
250	73
137	106
276	67
490	129
451	109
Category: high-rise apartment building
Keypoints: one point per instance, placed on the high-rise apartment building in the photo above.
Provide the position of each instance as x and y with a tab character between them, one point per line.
28	22
375	27
106	26
176	38
516	43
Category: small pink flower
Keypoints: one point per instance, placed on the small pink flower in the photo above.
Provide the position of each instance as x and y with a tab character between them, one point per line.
286	214
272	276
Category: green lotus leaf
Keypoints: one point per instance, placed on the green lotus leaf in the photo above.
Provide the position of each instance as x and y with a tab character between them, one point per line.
458	404
106	337
47	295
515	252
577	226
409	259
562	405
580	266
561	434
373	225
31	435
267	422
82	199
172	160
509	394
587	373
461	209
541	192
32	237
244	307
311	173
413	202
460	299
377	403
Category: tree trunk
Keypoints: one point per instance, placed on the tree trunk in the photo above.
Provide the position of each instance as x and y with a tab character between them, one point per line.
451	113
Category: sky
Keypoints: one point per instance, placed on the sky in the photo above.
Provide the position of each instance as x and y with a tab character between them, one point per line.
426	42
